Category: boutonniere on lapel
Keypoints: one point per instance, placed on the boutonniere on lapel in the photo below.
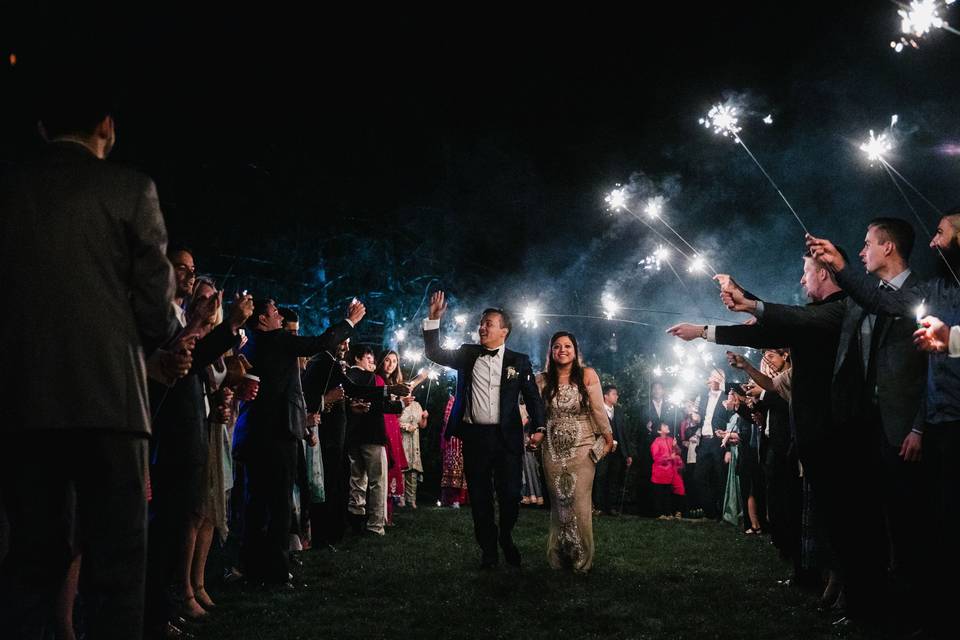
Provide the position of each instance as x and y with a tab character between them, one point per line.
512	373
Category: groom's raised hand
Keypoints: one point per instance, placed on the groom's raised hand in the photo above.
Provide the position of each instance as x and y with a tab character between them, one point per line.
438	305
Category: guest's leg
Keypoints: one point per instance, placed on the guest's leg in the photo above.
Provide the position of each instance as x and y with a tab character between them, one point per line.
112	508
600	495
66	601
198	568
40	509
410	488
375	457
284	469
358	482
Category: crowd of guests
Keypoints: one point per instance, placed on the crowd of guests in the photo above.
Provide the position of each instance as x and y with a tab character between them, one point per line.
180	414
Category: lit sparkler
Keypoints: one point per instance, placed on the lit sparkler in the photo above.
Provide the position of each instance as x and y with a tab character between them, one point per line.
460	319
413	356
654	207
921	313
401	335
617	199
724	119
529	316
657	371
610	305
876	147
918	19
676	396
768	119
697	265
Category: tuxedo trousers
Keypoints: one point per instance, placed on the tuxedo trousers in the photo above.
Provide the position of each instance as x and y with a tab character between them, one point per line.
70	493
492	469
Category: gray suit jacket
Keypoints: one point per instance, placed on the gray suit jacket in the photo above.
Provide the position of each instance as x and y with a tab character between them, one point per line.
88	292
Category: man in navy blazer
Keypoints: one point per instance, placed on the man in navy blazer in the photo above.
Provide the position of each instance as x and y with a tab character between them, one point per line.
486	418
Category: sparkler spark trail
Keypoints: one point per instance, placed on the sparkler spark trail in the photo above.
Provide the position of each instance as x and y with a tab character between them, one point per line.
654	209
618	202
723	120
610	305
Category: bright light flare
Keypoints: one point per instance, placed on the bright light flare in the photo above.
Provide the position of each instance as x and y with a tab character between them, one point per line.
616	199
413	356
876	147
697	265
610	305
676	396
654	207
768	119
688	375
433	374
921	312
401	335
917	20
657	371
529	316
449	343
460	319
722	119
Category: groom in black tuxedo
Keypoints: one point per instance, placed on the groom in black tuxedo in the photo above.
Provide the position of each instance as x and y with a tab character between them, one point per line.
486	418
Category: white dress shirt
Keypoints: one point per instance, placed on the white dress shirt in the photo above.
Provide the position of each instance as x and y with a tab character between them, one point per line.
483	405
707	417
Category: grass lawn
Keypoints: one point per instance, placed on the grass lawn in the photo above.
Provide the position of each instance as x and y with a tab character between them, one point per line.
651	579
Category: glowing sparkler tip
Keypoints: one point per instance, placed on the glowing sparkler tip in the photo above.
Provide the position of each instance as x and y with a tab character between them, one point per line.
413	356
676	396
657	371
610	305
401	335
529	316
433	374
654	207
616	199
460	319
921	312
723	119
876	147
697	265
768	119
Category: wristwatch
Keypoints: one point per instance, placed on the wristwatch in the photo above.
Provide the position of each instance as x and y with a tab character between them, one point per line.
703	333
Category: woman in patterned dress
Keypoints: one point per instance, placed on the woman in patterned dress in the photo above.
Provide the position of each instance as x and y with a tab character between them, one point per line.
578	435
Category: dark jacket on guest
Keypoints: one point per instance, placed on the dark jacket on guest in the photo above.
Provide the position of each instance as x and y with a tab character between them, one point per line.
279	410
82	244
897	369
813	349
368	428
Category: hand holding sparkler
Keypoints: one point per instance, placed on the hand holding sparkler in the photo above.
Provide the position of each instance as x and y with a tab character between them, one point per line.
933	335
686	331
733	296
438	305
356	311
825	252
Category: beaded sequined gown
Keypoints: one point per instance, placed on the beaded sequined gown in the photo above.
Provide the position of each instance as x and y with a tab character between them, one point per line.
572	430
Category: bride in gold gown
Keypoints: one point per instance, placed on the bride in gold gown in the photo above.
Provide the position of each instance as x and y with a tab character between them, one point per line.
578	435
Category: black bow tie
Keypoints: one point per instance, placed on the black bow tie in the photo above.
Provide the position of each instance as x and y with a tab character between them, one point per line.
488	352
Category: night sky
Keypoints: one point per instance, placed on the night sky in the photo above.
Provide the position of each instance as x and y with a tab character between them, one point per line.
479	145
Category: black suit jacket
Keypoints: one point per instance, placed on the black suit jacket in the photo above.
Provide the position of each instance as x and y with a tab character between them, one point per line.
279	410
813	349
512	386
899	368
623	434
777	411
82	244
721	415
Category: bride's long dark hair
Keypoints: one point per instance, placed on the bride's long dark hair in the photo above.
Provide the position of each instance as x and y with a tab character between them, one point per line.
552	377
